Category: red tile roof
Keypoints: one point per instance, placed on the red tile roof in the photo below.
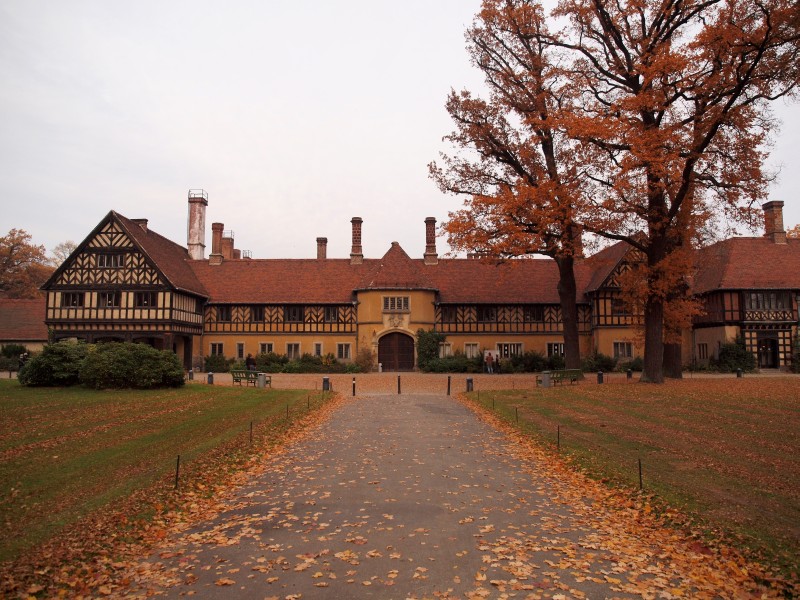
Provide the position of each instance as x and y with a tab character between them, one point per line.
22	320
747	264
396	271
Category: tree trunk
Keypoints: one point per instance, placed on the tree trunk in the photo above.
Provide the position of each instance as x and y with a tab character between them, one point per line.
567	292
653	371
673	359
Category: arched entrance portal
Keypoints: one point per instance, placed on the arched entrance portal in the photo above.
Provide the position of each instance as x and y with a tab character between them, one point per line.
396	352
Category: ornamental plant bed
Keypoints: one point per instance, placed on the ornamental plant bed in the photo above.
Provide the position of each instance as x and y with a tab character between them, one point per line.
724	451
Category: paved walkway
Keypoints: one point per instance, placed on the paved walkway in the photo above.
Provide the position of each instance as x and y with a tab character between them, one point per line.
412	496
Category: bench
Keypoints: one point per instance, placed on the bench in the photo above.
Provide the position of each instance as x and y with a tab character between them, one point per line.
571	375
249	377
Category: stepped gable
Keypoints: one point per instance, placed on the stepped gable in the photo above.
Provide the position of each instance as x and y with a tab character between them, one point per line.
22	320
167	256
748	263
396	271
489	281
280	281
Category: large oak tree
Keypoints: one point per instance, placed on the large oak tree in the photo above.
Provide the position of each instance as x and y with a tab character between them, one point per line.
23	265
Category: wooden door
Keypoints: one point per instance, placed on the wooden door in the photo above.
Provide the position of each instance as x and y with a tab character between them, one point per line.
396	352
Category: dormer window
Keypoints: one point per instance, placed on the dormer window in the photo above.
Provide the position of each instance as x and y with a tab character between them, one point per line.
107	260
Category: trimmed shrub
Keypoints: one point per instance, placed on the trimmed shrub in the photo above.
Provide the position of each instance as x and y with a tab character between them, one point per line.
217	363
458	363
58	364
128	365
735	356
528	362
13	350
637	364
598	362
555	362
428	347
9	364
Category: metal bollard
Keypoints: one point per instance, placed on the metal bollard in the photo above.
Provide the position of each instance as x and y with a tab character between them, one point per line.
354	386
630	373
326	384
599	377
469	384
191	374
210	379
738	372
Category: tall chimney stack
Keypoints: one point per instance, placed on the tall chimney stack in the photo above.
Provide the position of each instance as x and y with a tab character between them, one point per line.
322	248
215	258
196	235
431	258
356	254
227	245
773	221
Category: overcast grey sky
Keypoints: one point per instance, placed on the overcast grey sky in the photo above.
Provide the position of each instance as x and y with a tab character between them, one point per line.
293	116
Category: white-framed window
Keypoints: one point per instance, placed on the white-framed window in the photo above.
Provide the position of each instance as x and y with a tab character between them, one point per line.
293	350
395	303
145	299
265	347
343	351
623	350
240	350
217	349
108	260
471	350
72	299
509	349
318	349
445	350
555	348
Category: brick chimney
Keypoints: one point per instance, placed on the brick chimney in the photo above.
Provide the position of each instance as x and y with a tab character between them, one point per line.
356	254
773	221
215	258
322	248
227	245
196	236
431	258
141	223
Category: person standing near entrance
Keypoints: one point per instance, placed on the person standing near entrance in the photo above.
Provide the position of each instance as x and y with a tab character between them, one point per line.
489	363
250	363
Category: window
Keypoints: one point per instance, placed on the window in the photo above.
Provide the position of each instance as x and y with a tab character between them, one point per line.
395	303
293	313
343	351
223	313
767	300
619	308
110	261
487	314
471	350
331	314
509	350
317	349
145	299
108	299
240	350
532	314
72	299
293	350
445	350
449	314
265	347
216	349
256	313
555	348
623	350
702	351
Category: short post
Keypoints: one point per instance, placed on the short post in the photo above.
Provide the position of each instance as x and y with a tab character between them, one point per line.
641	484
398	384
261	380
558	438
599	377
516	413
191	374
354	386
738	372
546	381
469	384
251	432
210	379
287	412
630	373
326	384
177	471
448	385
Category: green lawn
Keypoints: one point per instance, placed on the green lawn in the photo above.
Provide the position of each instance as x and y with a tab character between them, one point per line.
67	452
726	451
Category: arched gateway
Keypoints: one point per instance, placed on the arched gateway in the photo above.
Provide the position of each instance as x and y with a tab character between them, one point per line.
396	352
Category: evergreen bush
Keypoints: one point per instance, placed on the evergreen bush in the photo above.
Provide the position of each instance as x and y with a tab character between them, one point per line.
13	350
428	347
217	363
128	365
735	356
58	364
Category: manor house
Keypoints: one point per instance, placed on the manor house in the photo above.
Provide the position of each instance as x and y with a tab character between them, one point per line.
126	282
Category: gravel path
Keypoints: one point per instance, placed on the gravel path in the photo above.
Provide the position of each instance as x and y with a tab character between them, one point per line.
413	496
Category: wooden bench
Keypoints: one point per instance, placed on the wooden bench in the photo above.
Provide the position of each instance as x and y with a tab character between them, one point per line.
571	375
249	377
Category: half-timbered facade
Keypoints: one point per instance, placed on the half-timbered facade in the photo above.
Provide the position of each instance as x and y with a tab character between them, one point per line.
126	282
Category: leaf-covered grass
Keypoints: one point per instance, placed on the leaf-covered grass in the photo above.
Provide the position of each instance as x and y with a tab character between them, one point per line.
65	452
726	451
